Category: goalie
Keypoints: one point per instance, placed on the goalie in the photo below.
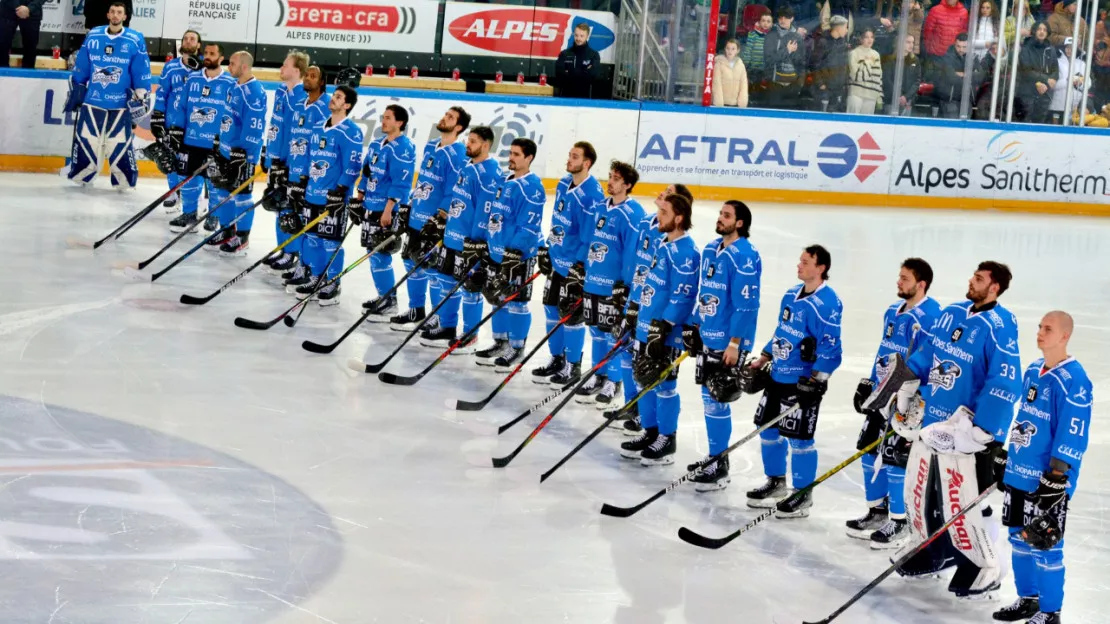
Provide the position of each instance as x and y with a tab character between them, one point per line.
956	425
107	91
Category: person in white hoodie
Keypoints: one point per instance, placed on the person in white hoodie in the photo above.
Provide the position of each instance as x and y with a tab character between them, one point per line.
730	78
1060	91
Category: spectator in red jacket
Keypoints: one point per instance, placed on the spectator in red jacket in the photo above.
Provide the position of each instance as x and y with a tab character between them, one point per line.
942	24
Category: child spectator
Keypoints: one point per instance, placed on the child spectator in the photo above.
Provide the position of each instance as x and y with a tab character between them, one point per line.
730	79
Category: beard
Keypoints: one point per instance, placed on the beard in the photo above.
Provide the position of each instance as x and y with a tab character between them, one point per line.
667	228
443	127
471	153
187	51
725	230
211	64
907	295
976	297
577	171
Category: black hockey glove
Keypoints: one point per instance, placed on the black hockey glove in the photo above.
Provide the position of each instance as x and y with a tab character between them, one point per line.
290	221
512	271
279	173
1043	532
620	295
262	161
656	345
543	260
430	235
998	463
1051	490
627	324
475	251
691	339
863	391
336	199
811	389
175	139
401	219
356	210
576	276
494	287
158	125
238	169
296	194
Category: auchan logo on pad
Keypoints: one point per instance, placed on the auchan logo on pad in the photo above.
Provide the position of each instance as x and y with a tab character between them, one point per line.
525	32
345	16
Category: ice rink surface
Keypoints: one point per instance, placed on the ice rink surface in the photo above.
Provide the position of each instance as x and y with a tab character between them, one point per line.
161	465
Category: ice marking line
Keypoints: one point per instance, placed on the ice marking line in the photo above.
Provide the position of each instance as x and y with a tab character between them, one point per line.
92	466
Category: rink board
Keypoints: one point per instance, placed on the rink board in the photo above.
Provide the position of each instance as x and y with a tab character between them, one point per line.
755	155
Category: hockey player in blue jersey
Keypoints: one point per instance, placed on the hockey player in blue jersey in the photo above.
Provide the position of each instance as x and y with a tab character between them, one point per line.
335	157
666	300
906	326
804	352
288	99
465	242
514	227
444	157
721	331
1047	442
610	268
972	369
242	131
203	110
107	90
387	176
305	119
567	244
166	121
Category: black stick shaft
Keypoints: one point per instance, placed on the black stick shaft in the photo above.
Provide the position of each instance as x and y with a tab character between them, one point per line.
195	248
139	216
323	283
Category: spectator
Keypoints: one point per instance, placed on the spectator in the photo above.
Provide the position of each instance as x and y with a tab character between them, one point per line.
911	77
752	54
1100	75
917	21
942	24
830	69
784	62
26	15
1027	21
96	13
949	77
578	66
1060	89
865	76
730	79
986	29
1038	70
1062	22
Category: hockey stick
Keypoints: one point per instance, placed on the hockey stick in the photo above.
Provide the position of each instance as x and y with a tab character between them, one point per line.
139	216
473	406
501	462
207	239
390	378
547	399
191	300
618	414
624	512
315	347
697	539
906	557
360	366
189	230
323	283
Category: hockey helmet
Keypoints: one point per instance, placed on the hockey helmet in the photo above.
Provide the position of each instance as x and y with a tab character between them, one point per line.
350	77
726	385
754	381
646	371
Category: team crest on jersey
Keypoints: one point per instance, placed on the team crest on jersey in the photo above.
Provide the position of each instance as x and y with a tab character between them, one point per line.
1031	395
203	116
646	295
557	236
600	222
422	191
298	147
271	134
711	271
225	124
787	314
456	208
781	349
882	367
889	330
205	91
1021	434
495	223
598	251
959	331
707	305
639	277
944	374
318	169
106	76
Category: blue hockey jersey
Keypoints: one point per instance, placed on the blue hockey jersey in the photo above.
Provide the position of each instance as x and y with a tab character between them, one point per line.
277	135
728	298
515	216
387	172
439	168
1053	421
670	288
243	126
169	99
611	256
335	158
815	318
904	331
112	66
572	222
972	360
471	199
205	107
305	120
648	238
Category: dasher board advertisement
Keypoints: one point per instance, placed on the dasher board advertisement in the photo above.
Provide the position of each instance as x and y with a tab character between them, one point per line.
516	31
401	25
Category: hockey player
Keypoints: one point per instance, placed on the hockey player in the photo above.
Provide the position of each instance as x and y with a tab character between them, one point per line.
386	180
906	326
241	135
444	157
804	352
722	329
567	244
971	366
203	109
335	154
666	301
610	267
108	88
166	123
305	119
1047	443
465	242
287	100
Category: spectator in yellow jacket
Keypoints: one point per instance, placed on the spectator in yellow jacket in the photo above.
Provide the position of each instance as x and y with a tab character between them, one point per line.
730	78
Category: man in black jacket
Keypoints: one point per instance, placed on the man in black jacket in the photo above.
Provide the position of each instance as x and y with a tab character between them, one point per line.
26	15
578	66
784	61
911	78
96	13
830	70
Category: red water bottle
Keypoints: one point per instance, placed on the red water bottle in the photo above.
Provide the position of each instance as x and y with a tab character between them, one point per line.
369	70
392	71
414	72
169	57
520	78
455	74
498	77
56	52
543	79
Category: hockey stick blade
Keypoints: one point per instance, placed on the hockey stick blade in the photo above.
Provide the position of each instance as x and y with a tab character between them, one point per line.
249	324
142	214
191	300
395	380
321	284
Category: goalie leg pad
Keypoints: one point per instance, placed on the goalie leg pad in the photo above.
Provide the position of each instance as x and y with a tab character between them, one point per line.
88	143
922	502
960	484
119	150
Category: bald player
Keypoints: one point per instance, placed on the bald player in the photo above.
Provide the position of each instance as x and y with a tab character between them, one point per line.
1047	442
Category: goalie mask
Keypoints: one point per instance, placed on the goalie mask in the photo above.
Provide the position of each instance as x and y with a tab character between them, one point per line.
349	77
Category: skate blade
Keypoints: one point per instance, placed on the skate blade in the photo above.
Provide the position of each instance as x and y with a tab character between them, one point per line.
891	546
860	534
712	487
649	463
